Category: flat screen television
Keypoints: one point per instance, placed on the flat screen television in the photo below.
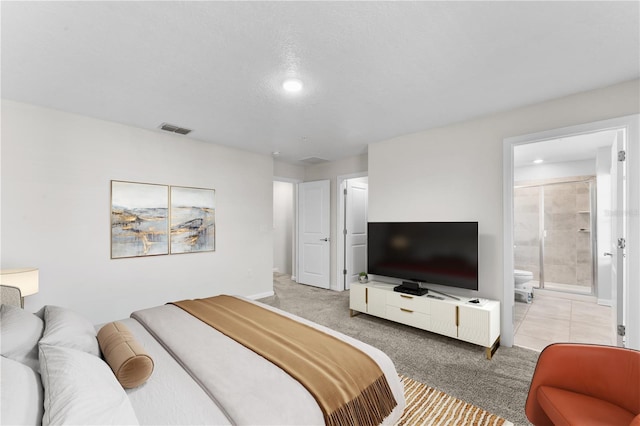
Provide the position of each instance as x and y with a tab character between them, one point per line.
444	253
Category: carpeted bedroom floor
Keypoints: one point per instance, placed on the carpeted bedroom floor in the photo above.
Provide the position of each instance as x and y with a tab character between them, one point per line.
460	369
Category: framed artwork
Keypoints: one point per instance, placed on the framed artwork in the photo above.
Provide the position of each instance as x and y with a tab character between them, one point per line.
139	219
192	215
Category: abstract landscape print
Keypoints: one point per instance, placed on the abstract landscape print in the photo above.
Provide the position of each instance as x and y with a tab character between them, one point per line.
139	219
192	220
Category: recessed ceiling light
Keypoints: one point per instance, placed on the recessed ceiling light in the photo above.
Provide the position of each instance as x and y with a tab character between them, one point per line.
275	153
292	85
538	161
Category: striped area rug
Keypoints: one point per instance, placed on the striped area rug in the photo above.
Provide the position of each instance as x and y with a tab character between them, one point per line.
427	406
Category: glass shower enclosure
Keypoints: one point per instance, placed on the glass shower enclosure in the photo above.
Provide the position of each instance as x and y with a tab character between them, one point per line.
555	234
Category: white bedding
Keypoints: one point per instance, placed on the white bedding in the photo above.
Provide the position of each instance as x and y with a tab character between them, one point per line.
251	389
200	376
20	389
170	396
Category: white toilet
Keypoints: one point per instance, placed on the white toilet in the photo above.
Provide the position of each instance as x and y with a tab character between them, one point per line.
521	286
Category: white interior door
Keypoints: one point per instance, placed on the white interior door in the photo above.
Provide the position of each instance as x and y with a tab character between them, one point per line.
356	203
618	234
313	233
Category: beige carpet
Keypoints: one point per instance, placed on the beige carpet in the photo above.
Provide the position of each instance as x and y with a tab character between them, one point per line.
427	406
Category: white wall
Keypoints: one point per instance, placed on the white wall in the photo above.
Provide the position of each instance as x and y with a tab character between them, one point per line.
283	209
454	173
331	171
56	172
555	170
288	171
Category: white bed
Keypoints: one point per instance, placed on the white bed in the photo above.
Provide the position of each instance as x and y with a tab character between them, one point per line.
200	376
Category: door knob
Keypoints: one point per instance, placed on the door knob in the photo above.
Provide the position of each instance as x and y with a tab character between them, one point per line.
324	239
606	253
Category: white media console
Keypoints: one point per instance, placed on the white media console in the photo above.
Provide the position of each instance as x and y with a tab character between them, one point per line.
475	323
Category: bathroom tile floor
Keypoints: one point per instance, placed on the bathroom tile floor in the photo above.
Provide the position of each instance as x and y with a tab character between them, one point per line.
550	319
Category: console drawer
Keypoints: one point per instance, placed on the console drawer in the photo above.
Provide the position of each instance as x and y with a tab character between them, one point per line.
408	301
408	317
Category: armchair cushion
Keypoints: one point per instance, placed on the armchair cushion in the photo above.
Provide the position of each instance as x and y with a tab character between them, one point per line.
578	384
565	408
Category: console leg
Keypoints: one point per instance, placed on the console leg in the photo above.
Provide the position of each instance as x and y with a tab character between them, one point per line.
493	348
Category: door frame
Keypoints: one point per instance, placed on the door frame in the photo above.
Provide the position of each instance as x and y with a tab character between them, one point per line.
340	182
632	125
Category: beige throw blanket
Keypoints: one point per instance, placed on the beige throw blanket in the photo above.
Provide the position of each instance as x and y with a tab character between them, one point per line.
348	385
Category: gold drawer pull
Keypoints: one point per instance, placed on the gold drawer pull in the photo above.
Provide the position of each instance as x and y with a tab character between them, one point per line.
406	310
406	297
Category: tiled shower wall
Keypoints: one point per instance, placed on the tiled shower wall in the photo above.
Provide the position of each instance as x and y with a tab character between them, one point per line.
567	224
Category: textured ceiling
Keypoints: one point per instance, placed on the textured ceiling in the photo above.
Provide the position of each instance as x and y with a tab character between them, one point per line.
371	70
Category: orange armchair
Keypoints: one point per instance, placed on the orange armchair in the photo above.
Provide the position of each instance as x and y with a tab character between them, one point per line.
579	384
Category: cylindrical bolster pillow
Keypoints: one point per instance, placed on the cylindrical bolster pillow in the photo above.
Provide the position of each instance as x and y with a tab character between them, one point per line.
126	357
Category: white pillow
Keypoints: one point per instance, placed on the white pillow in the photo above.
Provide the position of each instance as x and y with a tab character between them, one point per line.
21	394
63	327
81	389
19	335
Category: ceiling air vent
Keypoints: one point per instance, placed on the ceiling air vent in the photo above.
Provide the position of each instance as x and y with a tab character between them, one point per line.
175	129
313	160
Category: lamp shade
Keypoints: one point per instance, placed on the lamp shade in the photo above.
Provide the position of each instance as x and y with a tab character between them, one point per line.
26	279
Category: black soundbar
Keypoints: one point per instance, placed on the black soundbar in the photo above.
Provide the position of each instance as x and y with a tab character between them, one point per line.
416	291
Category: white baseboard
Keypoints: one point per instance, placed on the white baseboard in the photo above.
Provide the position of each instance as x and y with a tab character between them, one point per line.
605	302
261	295
293	278
276	270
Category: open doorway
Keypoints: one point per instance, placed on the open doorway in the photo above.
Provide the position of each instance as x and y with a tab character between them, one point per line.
284	227
561	222
625	287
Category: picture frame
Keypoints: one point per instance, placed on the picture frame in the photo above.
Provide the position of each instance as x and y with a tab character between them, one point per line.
192	220
139	219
